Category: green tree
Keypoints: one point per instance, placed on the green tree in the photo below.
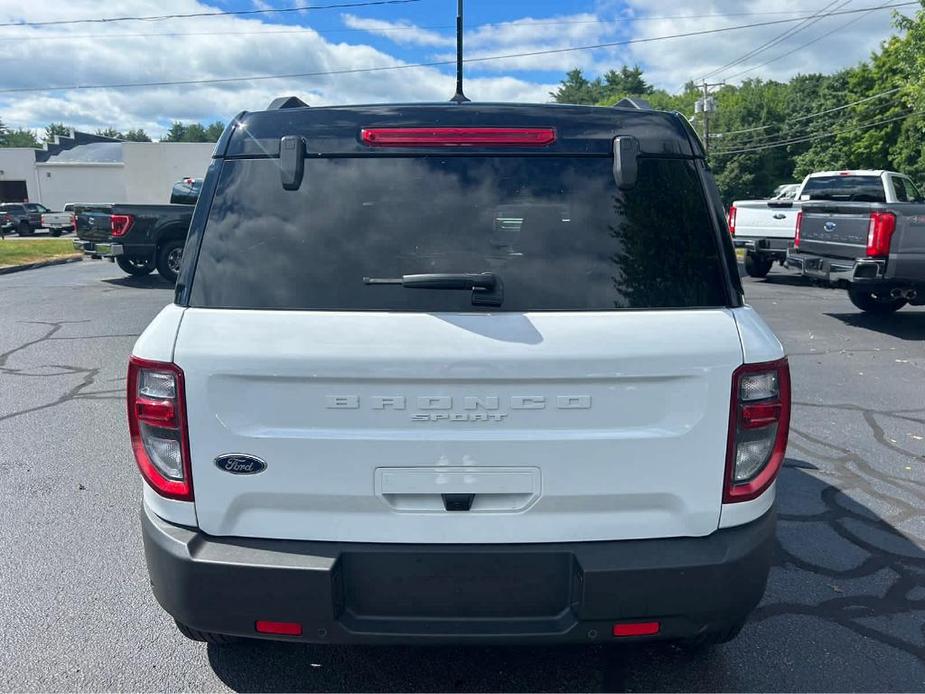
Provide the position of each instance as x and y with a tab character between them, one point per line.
110	132
137	135
53	129
194	132
177	133
576	89
17	138
20	138
627	81
214	131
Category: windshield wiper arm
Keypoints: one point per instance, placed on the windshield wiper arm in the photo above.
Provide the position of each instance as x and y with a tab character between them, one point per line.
486	287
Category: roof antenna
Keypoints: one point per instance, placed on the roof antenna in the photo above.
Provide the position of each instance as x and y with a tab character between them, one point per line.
459	97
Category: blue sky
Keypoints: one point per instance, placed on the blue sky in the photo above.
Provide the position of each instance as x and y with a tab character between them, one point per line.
48	58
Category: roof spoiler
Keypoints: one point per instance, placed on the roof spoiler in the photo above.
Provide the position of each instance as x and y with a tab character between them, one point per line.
286	102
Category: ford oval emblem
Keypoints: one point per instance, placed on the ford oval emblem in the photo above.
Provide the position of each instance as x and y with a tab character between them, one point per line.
830	226
240	464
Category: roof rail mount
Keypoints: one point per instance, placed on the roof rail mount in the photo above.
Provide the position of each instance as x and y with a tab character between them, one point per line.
633	102
286	102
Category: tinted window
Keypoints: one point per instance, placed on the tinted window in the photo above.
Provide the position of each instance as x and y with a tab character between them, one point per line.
12	208
555	230
844	188
905	190
186	192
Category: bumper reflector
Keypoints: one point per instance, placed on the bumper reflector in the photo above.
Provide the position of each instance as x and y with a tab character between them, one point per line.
636	629
280	628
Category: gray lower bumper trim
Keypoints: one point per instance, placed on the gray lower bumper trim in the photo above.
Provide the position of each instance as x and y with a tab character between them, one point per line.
400	593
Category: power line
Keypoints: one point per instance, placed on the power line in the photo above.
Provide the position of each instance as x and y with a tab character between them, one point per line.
437	63
218	13
840	27
341	30
811	115
810	138
804	24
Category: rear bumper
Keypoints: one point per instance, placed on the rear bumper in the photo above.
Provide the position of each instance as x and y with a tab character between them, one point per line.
397	593
769	247
99	249
836	270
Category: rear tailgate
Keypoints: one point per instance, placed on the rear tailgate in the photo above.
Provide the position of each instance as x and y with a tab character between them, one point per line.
565	426
837	231
94	224
759	219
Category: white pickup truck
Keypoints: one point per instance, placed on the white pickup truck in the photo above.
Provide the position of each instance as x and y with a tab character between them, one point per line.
765	228
59	222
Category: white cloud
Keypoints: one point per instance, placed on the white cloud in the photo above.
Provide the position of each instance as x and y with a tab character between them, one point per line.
402	32
671	63
253	45
102	54
538	34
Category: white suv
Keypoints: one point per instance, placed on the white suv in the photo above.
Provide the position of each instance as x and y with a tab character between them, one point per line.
458	373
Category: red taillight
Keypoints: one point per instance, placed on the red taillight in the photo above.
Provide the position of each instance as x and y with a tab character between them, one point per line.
759	422
157	426
281	628
731	219
880	233
636	629
74	223
458	137
799	227
121	223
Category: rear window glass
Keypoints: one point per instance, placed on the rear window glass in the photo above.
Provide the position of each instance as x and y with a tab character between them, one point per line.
555	231
844	188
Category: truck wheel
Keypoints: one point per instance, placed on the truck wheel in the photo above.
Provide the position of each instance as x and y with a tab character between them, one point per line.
25	229
135	265
205	636
756	266
168	260
870	302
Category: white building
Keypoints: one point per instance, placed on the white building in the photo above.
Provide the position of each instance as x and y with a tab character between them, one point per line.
89	168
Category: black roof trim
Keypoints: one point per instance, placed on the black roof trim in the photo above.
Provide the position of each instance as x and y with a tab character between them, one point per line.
581	130
286	102
634	102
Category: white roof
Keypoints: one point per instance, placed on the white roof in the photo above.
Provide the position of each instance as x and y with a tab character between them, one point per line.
852	172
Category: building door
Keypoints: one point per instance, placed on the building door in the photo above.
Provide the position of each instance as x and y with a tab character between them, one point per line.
13	191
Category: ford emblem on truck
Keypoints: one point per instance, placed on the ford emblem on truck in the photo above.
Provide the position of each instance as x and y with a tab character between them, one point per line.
239	464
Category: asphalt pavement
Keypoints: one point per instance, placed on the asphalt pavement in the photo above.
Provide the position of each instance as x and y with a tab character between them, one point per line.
844	609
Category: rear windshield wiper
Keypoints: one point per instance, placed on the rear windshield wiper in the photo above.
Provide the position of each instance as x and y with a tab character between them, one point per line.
486	287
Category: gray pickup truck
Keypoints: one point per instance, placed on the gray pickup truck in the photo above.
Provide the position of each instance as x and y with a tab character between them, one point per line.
866	231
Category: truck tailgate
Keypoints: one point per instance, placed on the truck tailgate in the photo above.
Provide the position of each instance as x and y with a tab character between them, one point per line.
838	232
757	219
564	427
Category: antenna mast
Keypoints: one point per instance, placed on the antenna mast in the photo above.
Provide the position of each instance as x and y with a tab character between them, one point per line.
459	97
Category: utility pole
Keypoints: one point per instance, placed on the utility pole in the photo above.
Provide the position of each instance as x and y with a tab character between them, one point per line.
705	106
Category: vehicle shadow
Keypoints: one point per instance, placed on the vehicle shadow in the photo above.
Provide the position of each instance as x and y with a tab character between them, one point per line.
846	589
152	281
905	326
785	278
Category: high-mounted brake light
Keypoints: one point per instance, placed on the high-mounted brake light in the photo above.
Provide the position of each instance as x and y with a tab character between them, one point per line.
731	219
880	233
799	228
458	137
121	223
759	422
157	426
